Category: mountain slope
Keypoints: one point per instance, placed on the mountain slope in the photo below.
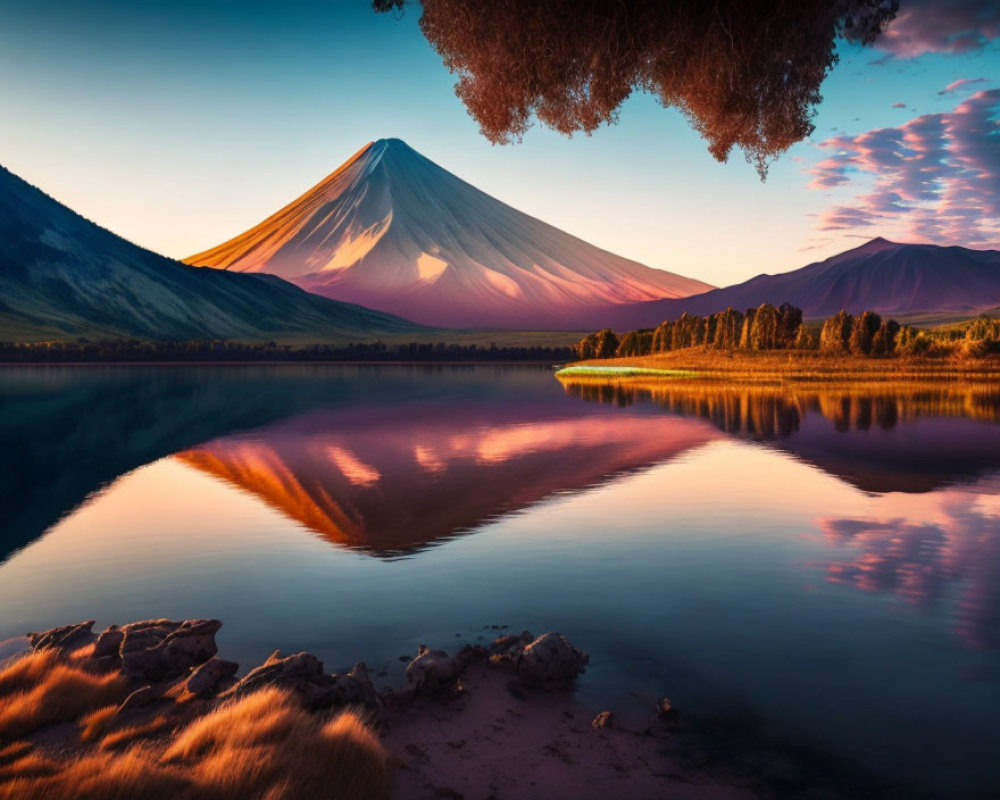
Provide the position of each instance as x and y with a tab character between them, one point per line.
392	230
62	276
889	277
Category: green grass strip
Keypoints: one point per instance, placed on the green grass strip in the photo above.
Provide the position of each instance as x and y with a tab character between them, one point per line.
624	372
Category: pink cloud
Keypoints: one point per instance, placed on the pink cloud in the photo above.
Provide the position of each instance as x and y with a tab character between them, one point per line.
925	562
899	105
932	26
934	178
954	86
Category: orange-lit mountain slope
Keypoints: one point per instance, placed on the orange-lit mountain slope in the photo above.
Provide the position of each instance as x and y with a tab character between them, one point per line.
392	230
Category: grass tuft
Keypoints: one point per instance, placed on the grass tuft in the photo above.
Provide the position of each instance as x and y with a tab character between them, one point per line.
133	733
94	724
264	745
267	745
47	690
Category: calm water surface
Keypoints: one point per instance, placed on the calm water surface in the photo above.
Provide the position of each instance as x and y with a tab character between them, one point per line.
823	568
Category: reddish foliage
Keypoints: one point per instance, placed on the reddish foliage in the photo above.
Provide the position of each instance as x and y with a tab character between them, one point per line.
746	73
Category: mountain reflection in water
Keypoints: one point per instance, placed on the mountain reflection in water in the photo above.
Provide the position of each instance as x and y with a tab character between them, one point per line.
383	481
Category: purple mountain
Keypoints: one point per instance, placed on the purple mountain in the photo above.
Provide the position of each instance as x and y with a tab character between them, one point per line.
888	277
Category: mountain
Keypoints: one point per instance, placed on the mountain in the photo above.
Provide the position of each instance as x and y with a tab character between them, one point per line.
63	276
392	230
888	277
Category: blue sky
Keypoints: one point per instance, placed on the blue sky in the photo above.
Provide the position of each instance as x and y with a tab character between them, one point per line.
181	124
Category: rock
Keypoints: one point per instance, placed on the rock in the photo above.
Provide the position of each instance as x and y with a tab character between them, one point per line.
604	720
65	637
431	671
207	678
550	660
301	673
13	649
663	706
109	642
505	647
138	699
158	649
355	688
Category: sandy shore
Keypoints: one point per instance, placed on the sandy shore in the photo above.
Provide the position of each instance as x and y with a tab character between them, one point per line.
493	738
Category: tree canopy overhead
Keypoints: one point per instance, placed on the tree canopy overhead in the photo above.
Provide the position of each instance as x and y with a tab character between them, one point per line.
746	73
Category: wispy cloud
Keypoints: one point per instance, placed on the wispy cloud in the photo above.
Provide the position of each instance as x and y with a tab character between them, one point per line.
954	86
935	178
933	26
899	105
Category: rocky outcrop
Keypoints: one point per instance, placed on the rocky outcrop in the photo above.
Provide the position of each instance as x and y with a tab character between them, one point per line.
207	679
546	661
432	671
109	642
153	653
550	660
65	637
355	688
509	648
157	650
301	673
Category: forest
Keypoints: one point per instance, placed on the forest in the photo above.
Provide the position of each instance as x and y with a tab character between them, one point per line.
770	327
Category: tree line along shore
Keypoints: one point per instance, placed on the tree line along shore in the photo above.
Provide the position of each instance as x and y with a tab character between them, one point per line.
781	328
205	350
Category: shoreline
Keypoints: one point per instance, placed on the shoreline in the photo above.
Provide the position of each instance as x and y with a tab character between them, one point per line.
776	368
495	721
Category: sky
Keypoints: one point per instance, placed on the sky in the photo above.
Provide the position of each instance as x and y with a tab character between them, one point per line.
181	124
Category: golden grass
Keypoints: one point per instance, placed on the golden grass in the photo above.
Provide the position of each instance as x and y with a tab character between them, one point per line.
267	745
14	751
24	770
803	366
133	733
95	723
45	689
261	746
103	776
27	671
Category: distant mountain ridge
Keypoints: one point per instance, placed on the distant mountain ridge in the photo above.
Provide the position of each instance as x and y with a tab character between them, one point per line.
62	276
392	230
888	277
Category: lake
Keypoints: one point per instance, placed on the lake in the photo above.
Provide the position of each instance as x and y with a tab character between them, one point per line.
818	568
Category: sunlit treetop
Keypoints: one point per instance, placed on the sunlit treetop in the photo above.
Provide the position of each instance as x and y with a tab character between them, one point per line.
746	73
